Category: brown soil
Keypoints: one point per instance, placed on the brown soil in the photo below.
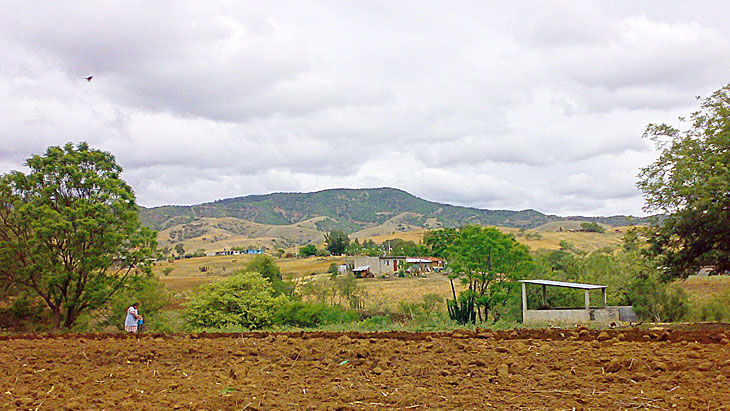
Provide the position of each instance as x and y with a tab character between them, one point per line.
513	370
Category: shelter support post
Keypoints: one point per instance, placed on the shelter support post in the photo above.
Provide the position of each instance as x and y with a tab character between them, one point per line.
588	301
603	291
524	297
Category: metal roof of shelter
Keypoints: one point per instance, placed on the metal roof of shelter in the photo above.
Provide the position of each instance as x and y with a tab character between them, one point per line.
564	284
361	268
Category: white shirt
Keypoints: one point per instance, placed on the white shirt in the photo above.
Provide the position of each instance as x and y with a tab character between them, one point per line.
131	320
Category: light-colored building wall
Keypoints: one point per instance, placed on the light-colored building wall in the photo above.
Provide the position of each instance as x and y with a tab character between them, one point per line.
601	315
380	265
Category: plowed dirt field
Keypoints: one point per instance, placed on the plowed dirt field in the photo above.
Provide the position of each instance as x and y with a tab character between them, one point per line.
515	370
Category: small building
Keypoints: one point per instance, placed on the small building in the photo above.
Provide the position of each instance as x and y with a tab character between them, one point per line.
601	313
362	272
389	265
228	252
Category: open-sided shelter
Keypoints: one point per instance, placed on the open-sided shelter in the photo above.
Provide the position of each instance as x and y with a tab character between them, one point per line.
601	313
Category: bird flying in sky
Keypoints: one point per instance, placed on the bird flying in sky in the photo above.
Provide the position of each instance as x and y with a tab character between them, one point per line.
89	78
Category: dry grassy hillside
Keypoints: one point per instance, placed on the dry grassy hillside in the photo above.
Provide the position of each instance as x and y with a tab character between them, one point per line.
188	273
215	234
399	224
535	239
702	287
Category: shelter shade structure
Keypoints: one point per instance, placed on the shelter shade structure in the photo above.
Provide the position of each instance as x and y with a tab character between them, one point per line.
601	314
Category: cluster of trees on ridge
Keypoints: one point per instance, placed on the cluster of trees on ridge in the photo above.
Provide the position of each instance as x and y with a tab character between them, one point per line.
71	239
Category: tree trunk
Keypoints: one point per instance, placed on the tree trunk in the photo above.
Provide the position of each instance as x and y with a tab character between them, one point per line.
56	318
71	316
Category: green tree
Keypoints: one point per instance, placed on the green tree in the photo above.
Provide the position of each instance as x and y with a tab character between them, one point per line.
337	242
657	301
439	241
308	250
690	182
488	262
180	249
69	231
334	270
402	247
245	299
592	227
266	266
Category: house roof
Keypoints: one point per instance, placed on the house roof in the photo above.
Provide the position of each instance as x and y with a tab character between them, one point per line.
564	284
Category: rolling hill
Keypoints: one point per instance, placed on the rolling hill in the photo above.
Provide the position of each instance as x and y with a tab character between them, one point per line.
288	219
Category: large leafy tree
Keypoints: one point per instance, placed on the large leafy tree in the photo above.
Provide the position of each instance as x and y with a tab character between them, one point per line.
69	231
690	182
488	262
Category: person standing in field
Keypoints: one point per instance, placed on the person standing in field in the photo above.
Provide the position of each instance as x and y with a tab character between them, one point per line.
131	322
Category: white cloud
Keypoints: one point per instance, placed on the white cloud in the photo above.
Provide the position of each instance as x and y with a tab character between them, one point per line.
510	106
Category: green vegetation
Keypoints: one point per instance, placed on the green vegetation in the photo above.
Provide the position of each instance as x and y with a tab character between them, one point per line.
592	227
439	241
69	232
690	181
245	299
488	262
308	250
632	279
266	266
152	296
350	210
73	252
309	315
368	248
397	246
337	242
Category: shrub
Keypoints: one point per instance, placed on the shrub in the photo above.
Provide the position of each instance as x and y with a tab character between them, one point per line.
310	314
308	250
266	266
245	299
657	301
377	323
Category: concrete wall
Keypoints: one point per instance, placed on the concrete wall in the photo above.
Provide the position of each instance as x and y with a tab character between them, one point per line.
378	266
601	315
626	313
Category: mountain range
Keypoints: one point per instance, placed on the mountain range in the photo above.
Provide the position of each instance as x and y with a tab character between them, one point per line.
350	210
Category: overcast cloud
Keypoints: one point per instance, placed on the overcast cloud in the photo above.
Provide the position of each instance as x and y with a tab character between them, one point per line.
537	105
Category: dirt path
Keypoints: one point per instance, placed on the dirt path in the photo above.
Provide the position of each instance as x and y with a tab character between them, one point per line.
519	370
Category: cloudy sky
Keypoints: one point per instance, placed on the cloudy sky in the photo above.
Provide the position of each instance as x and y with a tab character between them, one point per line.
486	104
